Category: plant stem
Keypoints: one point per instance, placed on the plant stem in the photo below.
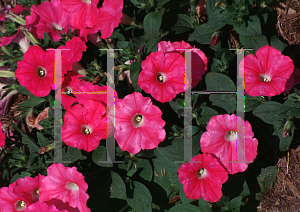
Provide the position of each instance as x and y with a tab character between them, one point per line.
129	165
123	209
269	98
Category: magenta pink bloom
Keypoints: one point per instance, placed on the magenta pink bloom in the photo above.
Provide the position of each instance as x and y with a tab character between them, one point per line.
76	46
36	71
199	60
2	137
66	184
221	140
10	202
52	19
60	205
70	84
43	207
85	125
16	10
82	13
293	80
203	177
28	188
138	123
266	73
163	75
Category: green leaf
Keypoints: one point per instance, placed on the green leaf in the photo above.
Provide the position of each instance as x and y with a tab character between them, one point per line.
226	101
266	180
204	206
99	154
22	89
152	22
141	200
251	102
235	203
246	190
250	27
117	188
277	43
7	74
76	153
146	169
184	24
295	113
211	8
160	3
42	140
152	45
32	146
201	35
140	41
179	109
135	67
253	42
218	20
134	79
17	176
219	82
206	114
184	208
165	168
32	101
267	111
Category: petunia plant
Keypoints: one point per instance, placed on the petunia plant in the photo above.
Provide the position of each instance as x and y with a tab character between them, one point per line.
135	105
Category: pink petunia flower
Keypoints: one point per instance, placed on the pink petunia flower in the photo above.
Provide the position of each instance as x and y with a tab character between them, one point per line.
163	75
293	80
9	201
66	184
43	207
76	46
82	13
108	16
60	205
16	10
203	177
199	60
36	71
266	73
52	19
2	137
138	123
70	84
28	188
18	38
221	140
85	125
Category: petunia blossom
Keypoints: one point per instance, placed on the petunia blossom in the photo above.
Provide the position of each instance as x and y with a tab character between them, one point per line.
203	177
52	19
266	73
36	71
76	46
28	188
163	75
293	80
82	13
222	138
2	137
43	207
66	184
138	123
9	201
199	60
85	125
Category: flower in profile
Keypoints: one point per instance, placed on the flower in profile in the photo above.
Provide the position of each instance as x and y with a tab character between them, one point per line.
76	46
34	122
66	184
28	188
52	19
293	80
221	140
138	123
85	9
163	75
203	177
2	137
199	60
9	201
43	207
266	73
36	71
85	125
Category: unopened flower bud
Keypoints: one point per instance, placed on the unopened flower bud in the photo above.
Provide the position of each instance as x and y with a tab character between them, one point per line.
287	127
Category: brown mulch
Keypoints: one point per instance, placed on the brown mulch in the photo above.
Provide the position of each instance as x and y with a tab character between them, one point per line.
285	196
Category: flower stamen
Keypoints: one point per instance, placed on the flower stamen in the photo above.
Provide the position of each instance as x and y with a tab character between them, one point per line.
86	129
160	77
201	173
41	72
20	205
